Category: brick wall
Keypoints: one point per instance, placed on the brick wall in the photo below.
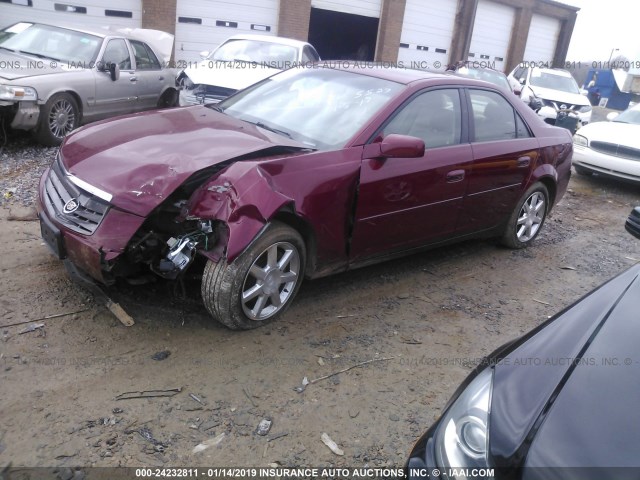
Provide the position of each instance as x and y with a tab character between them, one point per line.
389	30
293	19
159	15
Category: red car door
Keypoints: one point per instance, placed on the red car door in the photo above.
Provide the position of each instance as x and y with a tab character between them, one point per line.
407	202
504	153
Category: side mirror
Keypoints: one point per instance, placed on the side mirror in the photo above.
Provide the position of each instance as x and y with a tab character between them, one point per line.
401	146
521	80
114	71
204	54
612	115
633	223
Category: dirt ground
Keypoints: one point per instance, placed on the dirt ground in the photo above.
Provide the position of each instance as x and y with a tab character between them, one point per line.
425	319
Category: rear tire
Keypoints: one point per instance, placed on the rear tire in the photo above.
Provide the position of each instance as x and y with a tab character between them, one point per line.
527	218
260	284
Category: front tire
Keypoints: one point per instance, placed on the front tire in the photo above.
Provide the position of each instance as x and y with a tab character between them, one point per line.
527	218
260	284
58	117
168	99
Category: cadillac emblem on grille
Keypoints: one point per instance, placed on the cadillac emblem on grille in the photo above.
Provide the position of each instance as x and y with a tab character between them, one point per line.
71	206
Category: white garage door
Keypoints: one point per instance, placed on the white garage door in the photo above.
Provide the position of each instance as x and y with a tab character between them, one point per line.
427	31
366	8
542	39
81	13
203	25
491	34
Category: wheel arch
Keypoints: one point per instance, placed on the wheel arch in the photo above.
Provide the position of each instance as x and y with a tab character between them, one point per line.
287	215
552	188
549	177
75	96
169	90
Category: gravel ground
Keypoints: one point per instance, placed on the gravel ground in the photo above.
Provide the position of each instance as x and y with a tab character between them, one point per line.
22	162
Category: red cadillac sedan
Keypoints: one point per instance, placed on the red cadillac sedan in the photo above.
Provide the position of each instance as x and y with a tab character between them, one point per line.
316	170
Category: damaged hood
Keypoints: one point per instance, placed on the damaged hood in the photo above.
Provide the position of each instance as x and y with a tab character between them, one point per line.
559	96
141	159
235	75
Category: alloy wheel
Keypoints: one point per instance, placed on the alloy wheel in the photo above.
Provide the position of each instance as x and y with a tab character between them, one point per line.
270	281
530	217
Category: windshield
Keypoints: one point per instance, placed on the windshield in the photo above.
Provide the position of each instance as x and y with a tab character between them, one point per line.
323	108
255	51
45	41
490	76
554	82
631	115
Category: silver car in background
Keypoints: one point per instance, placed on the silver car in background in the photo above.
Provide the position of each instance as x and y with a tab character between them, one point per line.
54	79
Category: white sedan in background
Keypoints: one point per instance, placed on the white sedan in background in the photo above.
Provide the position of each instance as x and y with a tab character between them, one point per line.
239	62
610	148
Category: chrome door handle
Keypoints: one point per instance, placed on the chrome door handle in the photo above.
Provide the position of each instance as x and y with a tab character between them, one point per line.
524	161
455	176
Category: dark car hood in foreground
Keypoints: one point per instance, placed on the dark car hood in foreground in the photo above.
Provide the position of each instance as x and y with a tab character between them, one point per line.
141	159
569	395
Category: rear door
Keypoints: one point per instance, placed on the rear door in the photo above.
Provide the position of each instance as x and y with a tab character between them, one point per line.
504	153
407	202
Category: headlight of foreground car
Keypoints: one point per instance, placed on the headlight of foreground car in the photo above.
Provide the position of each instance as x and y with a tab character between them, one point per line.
13	92
585	109
462	439
580	141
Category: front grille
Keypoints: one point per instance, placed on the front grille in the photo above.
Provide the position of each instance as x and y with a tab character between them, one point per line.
59	191
558	105
616	150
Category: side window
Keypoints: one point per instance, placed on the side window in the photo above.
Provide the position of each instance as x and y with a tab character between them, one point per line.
494	118
518	73
145	58
433	116
309	54
118	53
521	128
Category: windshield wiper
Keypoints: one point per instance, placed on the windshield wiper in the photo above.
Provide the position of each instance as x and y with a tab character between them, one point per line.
271	129
39	55
215	107
5	48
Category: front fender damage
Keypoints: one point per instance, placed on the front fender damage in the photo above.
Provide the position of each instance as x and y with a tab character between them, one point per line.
244	214
206	215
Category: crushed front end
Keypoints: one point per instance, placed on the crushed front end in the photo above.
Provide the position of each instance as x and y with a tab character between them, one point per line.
81	225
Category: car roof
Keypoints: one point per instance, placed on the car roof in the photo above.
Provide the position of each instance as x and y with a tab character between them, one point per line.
91	31
269	38
396	74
